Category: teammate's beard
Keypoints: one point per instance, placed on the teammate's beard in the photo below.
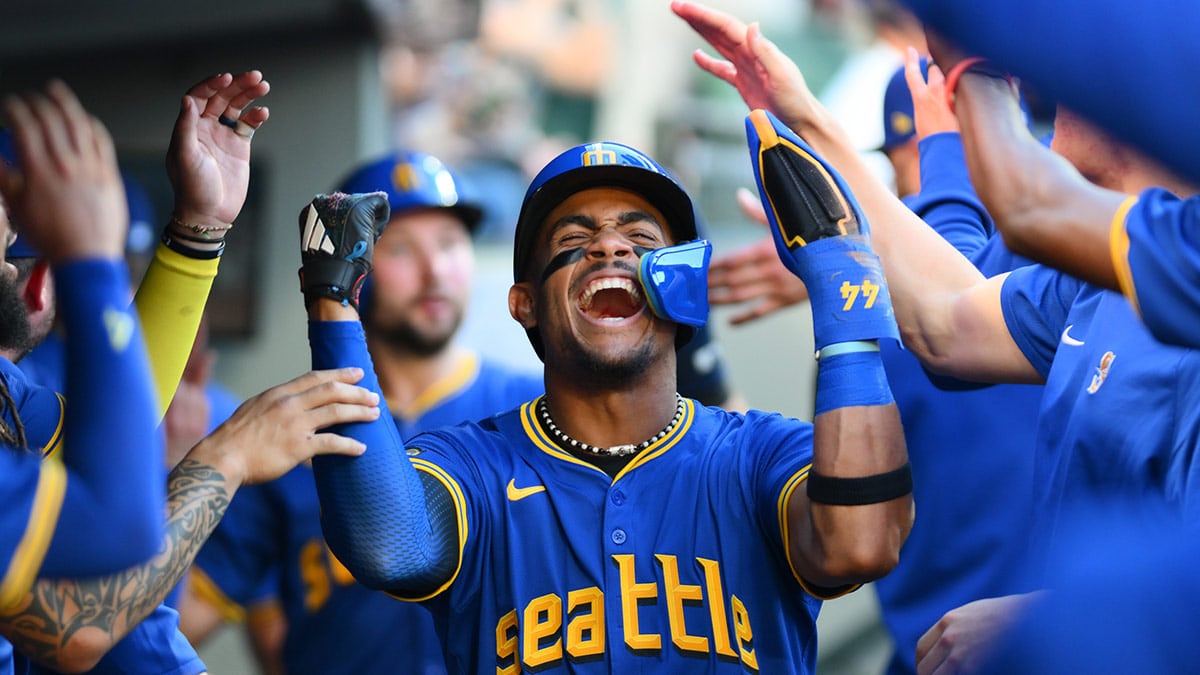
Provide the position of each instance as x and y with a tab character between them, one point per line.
15	335
404	336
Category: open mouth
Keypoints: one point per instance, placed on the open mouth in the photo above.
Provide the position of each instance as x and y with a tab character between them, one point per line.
611	299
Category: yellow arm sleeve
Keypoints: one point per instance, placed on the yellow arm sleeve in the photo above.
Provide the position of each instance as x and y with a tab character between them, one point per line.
170	302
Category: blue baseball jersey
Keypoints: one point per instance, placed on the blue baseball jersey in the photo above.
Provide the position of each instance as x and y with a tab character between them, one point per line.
967	542
40	410
34	491
336	625
679	563
46	364
1157	258
1120	415
155	646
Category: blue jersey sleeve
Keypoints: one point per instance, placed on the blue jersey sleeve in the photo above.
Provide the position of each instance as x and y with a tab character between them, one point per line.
373	508
34	492
113	453
1036	301
1053	45
154	647
1156	252
39	408
947	200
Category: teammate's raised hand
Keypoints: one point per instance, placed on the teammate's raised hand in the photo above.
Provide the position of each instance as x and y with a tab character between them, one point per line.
67	196
280	428
209	156
764	76
931	113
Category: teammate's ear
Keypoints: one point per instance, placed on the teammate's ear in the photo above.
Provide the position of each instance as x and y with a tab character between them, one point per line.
521	304
38	287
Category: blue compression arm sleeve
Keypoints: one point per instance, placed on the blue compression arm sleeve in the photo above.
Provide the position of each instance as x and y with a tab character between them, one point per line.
112	515
373	507
1055	46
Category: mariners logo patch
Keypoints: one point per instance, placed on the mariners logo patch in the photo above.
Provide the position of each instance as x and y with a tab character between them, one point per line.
1101	373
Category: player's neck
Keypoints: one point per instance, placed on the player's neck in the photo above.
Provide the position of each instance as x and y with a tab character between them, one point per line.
610	417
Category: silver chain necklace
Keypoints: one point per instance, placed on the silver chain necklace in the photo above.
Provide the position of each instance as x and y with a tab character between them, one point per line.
616	450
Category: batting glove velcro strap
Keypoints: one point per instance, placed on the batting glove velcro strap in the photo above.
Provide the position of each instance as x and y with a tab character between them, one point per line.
821	235
337	241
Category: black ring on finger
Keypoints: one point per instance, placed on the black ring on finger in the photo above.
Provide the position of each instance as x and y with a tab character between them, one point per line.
228	121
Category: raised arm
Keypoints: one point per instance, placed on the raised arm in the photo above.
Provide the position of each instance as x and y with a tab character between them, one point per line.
68	200
948	313
209	165
849	526
376	511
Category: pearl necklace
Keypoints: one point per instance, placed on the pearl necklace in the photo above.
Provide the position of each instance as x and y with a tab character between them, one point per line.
616	450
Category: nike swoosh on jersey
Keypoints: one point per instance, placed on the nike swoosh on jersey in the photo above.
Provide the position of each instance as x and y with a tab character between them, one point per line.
1068	340
516	494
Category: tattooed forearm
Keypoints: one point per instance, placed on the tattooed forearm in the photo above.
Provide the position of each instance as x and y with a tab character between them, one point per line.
102	611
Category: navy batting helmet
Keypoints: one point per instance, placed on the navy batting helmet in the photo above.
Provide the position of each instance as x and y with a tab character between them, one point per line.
592	165
414	180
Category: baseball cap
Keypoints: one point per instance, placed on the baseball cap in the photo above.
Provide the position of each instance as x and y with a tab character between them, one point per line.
603	164
414	180
898	123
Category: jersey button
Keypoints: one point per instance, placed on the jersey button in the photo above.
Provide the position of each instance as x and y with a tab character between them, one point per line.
618	497
618	536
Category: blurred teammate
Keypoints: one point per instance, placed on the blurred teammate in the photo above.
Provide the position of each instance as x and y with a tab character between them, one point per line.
1153	258
414	302
963	546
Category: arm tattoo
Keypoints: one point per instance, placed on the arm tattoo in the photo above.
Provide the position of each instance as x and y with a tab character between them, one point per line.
56	611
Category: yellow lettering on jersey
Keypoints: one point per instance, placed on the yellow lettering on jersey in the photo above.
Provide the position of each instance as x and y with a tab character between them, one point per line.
745	635
341	575
716	607
585	631
506	645
677	594
631	593
312	574
543	619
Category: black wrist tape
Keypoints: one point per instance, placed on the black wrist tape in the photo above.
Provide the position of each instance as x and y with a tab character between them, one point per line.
881	487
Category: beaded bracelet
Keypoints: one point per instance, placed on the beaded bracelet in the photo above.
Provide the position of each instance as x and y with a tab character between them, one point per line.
204	231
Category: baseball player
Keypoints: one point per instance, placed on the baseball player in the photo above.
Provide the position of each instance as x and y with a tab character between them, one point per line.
413	304
1033	324
962	547
611	525
47	625
67	200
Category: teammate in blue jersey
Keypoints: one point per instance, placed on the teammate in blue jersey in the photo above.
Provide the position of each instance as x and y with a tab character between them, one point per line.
69	624
1139	245
56	512
612	525
1033	324
963	545
415	301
